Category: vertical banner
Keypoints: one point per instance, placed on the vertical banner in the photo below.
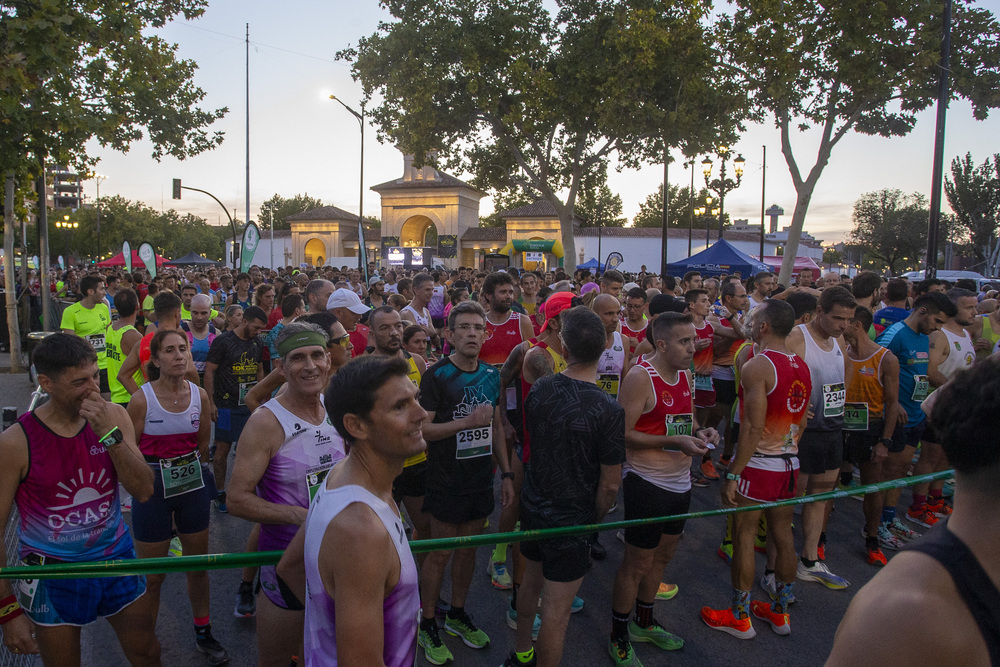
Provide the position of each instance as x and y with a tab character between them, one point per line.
362	250
127	256
614	260
62	262
148	257
251	236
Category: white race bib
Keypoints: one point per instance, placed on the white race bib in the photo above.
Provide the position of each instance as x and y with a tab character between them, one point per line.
474	442
834	396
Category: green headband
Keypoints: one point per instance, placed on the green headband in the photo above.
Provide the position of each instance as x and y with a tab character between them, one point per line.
303	339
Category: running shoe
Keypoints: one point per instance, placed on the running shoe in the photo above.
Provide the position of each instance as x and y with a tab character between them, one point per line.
209	647
613	507
597	550
821	573
175	548
621	536
512	622
220	503
724	462
246	603
723	619
512	661
850	486
876	557
463	628
769	585
948	490
577	605
900	530
708	470
922	517
886	538
500	577
726	551
941	509
435	651
622	653
699	482
654	634
779	622
667	591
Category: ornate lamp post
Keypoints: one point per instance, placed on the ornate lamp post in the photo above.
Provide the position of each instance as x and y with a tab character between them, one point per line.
66	225
722	185
708	210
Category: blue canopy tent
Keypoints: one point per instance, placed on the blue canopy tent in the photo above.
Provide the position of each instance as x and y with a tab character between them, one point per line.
722	257
591	264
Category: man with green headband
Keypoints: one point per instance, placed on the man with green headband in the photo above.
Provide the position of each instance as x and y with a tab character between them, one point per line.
278	471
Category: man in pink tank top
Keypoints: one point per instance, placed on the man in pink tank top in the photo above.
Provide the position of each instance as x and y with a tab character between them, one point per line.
61	467
351	562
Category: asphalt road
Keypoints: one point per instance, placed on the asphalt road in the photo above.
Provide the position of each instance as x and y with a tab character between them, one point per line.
702	576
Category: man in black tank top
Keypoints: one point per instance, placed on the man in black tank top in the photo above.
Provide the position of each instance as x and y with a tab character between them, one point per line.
954	569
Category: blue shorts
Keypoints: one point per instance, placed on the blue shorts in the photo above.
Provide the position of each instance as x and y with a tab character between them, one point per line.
190	512
230	424
52	602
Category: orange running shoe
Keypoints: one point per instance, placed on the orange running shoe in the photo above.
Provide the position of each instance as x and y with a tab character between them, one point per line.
723	619
876	557
922	516
779	622
667	591
708	470
939	509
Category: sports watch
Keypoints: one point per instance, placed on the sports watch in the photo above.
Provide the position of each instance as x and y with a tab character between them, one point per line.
732	477
114	437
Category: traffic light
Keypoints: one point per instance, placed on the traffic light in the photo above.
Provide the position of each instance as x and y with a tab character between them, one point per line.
177	188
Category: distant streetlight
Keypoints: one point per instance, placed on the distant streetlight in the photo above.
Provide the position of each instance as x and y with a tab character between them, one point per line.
98	178
362	261
722	185
66	225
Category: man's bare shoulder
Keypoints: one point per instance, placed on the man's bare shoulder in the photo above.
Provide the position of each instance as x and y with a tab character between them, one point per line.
912	581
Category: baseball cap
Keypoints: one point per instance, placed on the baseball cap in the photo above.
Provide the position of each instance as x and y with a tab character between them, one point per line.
555	304
589	287
375	280
345	298
666	303
629	286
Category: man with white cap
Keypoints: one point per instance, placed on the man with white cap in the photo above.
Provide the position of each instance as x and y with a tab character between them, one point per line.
347	306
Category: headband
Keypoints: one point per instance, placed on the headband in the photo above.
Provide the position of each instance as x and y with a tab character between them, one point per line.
303	339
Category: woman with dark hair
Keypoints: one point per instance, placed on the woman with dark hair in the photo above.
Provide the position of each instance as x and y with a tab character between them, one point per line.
170	415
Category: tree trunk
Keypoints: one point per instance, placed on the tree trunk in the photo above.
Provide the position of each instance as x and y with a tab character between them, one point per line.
803	197
568	239
10	281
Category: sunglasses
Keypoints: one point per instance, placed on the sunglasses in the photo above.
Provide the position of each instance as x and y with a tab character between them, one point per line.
344	341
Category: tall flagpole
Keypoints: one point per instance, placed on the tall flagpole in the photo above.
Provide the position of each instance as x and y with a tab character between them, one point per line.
247	219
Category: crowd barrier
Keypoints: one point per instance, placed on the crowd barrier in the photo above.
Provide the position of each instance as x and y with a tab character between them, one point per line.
128	567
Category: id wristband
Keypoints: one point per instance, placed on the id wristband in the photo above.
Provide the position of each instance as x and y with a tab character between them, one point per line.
9	609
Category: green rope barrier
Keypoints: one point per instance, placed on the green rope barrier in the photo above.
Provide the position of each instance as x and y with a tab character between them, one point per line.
134	566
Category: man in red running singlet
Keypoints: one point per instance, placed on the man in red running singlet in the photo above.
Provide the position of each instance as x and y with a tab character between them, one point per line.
775	386
505	328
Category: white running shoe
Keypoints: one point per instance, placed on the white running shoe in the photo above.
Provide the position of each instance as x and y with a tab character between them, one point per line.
821	573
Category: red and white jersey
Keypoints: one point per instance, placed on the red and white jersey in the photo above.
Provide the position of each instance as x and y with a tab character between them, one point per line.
786	404
703	358
673	414
501	339
639	335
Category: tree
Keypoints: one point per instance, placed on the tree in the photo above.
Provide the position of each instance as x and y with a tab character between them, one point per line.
974	195
891	227
279	208
521	99
504	201
650	213
832	256
870	68
597	204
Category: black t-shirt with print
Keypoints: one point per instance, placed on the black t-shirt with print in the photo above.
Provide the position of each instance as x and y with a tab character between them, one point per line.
237	360
574	428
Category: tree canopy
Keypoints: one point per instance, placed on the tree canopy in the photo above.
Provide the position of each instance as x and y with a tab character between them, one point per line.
76	70
890	228
520	98
650	213
278	208
974	195
855	66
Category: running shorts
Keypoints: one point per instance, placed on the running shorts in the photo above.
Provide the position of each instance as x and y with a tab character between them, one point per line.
769	478
457	509
410	483
821	451
277	591
230	424
190	512
645	500
563	559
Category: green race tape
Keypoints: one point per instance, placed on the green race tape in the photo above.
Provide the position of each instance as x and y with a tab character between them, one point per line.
133	566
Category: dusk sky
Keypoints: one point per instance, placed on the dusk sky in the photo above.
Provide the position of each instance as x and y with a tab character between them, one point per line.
301	142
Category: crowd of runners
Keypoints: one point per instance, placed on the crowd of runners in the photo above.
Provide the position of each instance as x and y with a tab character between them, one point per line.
344	419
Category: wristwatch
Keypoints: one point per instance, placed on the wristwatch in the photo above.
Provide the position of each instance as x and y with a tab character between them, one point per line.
732	477
114	437
507	475
885	441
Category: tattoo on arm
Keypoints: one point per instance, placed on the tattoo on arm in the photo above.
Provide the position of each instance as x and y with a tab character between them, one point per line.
540	365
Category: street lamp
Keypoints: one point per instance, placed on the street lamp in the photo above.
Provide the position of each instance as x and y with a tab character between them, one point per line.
722	185
98	178
66	225
362	259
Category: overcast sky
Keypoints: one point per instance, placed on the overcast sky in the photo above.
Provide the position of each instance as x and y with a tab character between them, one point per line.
301	142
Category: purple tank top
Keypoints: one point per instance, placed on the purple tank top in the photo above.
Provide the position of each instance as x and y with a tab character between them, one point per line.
297	470
68	502
400	610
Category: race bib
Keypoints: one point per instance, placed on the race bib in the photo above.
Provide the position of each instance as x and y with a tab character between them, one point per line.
315	477
245	388
181	474
608	382
680	424
920	388
474	442
855	416
834	396
26	589
97	342
511	395
703	383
